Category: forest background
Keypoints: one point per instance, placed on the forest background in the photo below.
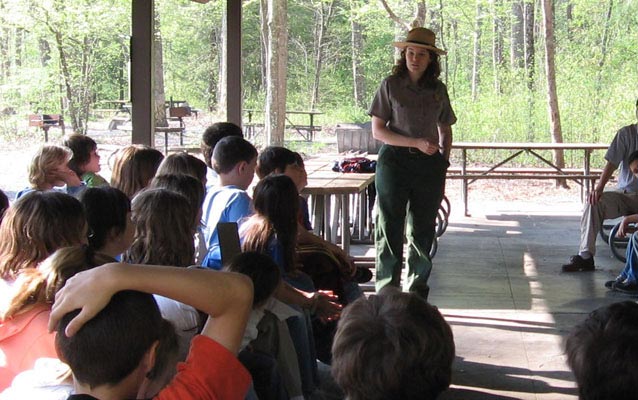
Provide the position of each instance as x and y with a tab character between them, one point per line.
66	56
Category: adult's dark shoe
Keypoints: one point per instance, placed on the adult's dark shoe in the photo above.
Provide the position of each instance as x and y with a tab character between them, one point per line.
362	275
626	287
579	264
610	284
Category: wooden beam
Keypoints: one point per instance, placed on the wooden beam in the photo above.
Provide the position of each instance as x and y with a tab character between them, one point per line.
142	61
233	60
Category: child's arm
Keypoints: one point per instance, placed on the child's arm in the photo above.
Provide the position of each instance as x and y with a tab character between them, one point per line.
225	296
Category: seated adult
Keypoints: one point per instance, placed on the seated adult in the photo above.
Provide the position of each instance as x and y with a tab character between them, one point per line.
392	345
610	204
602	351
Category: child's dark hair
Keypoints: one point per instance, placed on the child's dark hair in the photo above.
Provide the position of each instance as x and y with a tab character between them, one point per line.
261	269
231	150
107	210
183	163
185	185
81	146
632	157
213	134
163	229
276	209
603	353
274	159
405	338
111	345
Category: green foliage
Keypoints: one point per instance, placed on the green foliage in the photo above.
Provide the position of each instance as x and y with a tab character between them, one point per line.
595	60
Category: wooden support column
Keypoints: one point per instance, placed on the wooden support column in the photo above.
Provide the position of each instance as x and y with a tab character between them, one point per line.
233	59
142	61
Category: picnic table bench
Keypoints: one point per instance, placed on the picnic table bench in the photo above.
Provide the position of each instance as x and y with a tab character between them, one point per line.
45	122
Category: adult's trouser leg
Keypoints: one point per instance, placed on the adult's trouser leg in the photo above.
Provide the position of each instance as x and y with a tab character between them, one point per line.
423	206
392	199
611	205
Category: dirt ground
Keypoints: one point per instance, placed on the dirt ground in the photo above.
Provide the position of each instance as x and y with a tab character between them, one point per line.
15	157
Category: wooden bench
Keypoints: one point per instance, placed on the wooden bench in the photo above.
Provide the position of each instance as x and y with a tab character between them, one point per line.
45	122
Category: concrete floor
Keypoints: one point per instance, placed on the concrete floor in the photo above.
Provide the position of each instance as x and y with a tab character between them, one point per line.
497	281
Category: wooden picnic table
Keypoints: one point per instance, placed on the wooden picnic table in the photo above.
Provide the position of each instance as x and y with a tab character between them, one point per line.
326	188
585	176
305	131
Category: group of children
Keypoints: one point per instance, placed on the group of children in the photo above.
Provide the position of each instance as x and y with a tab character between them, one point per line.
129	277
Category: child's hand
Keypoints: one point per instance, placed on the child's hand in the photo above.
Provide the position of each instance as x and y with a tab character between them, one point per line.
64	174
89	291
327	309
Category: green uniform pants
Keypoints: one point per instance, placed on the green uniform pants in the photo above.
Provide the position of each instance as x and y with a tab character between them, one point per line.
409	183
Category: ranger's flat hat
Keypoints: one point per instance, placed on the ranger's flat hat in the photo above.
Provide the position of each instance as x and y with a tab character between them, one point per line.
421	37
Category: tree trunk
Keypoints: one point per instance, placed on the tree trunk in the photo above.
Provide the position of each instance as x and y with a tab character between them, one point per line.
263	35
358	70
497	44
476	58
214	73
324	16
517	41
159	108
275	112
222	96
552	98
528	11
442	40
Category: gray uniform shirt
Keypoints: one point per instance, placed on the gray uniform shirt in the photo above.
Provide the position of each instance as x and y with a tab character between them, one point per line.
625	142
411	110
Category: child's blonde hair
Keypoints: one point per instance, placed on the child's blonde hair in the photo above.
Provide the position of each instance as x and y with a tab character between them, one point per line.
44	161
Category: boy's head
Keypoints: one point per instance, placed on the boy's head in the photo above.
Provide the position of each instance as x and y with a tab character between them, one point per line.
404	337
261	269
46	164
119	341
280	160
214	134
235	156
85	158
602	352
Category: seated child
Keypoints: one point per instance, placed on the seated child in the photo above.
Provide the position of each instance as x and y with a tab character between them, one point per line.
194	191
49	169
35	226
267	350
108	213
392	345
133	168
210	137
24	313
234	159
603	353
86	160
183	163
328	265
110	362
